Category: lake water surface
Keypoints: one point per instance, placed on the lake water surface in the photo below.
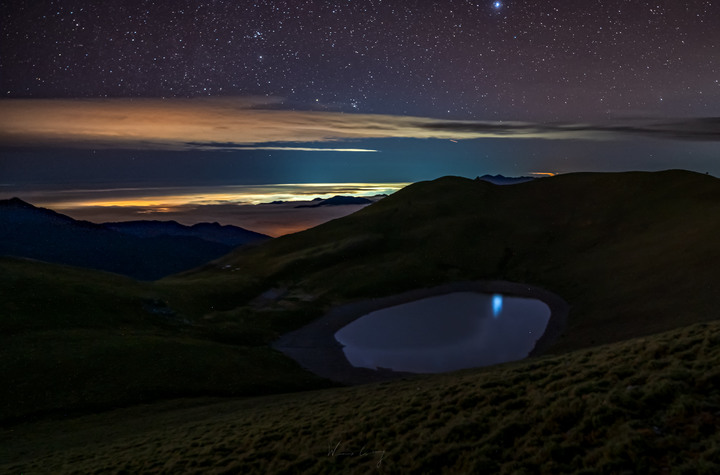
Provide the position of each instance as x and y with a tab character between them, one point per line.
445	332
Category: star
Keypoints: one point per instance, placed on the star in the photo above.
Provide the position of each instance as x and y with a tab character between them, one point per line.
536	59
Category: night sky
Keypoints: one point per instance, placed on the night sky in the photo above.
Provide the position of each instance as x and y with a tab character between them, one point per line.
140	94
482	60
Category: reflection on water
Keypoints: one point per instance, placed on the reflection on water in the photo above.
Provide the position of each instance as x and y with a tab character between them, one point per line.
497	305
445	333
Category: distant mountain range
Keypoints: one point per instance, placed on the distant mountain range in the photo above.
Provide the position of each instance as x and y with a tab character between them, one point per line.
145	250
213	232
505	180
338	201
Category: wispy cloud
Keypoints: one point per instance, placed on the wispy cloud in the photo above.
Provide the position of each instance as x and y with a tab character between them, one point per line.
694	128
231	146
249	123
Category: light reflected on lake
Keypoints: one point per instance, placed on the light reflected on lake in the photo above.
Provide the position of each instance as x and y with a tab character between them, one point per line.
445	333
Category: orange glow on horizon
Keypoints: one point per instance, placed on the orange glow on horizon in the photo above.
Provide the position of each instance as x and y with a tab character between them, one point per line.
234	195
249	207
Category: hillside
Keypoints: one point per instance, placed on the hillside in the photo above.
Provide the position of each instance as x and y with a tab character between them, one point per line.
633	254
646	405
77	340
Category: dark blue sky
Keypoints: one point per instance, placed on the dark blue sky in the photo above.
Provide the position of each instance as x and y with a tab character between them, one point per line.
398	160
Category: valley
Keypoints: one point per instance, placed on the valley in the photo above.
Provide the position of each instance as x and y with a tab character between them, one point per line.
627	385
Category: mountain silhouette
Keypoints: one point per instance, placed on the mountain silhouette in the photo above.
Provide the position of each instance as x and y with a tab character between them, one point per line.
144	251
505	180
212	232
338	201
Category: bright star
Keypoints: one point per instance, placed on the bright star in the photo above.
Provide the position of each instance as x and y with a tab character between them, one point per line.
497	5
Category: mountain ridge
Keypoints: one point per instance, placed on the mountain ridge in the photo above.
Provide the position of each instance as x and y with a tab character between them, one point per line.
504	180
213	232
39	233
547	232
338	200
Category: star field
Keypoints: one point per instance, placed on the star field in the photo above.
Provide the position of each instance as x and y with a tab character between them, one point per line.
554	60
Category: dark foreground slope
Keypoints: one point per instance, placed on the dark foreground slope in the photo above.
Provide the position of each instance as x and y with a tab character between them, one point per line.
648	405
632	253
77	340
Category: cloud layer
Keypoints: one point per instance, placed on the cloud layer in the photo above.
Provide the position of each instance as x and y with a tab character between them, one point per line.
247	123
269	209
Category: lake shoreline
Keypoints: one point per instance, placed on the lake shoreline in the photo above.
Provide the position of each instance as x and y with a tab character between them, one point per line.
314	346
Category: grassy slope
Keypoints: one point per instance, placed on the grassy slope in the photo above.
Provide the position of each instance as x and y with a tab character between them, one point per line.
649	405
76	340
633	254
